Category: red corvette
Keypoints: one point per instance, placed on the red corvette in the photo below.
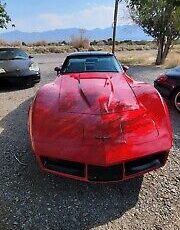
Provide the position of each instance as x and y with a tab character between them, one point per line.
94	123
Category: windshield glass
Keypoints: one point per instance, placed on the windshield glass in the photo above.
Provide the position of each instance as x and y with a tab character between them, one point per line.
12	54
91	63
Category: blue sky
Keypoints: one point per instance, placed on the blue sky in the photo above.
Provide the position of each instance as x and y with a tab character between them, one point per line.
45	15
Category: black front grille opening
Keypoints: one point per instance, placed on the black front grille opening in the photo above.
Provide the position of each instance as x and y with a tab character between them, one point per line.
145	164
105	174
67	167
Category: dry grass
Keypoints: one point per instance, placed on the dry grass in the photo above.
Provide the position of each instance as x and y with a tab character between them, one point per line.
3	43
130	54
126	47
48	49
80	42
146	57
173	59
12	44
39	43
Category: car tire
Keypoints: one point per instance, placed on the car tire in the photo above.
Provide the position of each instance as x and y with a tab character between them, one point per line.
176	99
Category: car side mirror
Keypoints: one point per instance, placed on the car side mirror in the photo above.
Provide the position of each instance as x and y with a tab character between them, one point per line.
125	68
31	57
58	70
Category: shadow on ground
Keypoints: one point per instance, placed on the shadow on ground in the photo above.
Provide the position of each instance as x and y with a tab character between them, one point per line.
30	199
6	86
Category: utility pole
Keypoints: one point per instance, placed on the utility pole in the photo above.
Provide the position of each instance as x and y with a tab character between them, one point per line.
115	24
14	27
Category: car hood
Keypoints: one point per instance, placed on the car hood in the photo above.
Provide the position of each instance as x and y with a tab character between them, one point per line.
175	72
14	65
96	93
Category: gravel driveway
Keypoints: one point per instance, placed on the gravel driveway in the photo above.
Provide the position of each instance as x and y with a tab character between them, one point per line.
30	199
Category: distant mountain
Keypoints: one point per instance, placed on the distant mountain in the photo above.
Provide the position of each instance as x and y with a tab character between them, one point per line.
126	32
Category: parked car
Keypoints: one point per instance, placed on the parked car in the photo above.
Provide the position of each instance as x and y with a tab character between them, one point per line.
94	123
17	67
168	85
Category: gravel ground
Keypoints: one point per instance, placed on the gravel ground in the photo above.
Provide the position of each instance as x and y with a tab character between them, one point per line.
30	199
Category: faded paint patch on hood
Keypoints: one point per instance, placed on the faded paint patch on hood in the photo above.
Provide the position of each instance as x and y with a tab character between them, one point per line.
96	93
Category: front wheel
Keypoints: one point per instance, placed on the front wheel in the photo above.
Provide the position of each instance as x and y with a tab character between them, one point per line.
176	100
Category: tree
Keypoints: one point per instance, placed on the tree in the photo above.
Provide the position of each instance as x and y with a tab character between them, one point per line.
160	19
4	17
80	41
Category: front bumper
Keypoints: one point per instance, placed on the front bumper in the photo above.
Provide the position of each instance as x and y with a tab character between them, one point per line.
34	78
113	173
121	158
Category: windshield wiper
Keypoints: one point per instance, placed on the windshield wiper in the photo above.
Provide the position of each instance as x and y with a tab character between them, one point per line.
10	59
18	58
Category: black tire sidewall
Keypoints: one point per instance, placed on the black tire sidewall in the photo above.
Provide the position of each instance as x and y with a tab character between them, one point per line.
174	97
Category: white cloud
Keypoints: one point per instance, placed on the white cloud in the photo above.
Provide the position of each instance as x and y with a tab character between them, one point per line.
53	20
93	16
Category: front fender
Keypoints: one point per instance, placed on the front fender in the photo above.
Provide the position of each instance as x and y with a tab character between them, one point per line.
42	110
156	107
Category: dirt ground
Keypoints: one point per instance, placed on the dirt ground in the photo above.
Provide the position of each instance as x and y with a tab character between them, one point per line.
31	200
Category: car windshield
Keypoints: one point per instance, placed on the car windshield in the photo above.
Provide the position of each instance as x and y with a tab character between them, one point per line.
91	63
12	54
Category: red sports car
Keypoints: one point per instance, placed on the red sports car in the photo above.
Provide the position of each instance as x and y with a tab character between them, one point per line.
94	123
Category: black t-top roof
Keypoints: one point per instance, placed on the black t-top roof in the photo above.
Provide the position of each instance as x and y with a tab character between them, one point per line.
90	53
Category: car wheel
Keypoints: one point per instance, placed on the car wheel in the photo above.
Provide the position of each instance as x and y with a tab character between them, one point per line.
176	100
